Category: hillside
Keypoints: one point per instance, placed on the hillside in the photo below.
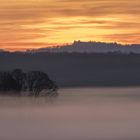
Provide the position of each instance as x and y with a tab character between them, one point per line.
79	69
90	47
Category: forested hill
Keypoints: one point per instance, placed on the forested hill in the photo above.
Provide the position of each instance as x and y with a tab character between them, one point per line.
79	69
90	47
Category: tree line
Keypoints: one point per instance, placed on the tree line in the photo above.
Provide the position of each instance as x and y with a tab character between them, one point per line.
33	82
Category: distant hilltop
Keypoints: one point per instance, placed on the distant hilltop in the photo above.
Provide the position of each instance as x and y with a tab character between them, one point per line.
91	47
87	47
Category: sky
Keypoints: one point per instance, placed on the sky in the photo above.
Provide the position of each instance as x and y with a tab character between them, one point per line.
27	24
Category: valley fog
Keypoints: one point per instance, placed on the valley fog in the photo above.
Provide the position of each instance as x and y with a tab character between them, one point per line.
76	114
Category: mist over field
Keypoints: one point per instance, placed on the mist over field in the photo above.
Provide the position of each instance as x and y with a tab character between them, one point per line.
77	113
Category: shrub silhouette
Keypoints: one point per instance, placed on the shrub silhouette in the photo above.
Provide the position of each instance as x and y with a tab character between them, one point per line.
33	82
38	81
19	78
7	83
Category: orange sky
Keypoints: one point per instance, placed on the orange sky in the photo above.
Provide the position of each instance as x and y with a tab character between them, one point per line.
39	23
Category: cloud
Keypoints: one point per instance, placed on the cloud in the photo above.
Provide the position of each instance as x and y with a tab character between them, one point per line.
49	21
128	38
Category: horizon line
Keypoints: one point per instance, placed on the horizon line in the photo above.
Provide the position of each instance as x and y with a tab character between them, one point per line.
24	49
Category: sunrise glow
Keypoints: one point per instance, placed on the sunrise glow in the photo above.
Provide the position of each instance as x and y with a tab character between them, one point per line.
26	24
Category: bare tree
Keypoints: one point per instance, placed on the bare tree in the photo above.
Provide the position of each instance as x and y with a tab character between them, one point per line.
38	81
34	82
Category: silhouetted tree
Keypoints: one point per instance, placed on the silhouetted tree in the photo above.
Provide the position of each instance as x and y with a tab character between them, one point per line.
20	79
38	81
7	83
33	82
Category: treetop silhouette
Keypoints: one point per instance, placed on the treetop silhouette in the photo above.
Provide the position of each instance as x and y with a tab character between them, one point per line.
33	82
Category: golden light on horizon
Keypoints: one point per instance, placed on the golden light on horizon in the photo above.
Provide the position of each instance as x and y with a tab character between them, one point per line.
29	24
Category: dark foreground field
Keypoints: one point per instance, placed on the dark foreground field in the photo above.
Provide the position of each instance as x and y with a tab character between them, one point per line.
79	69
